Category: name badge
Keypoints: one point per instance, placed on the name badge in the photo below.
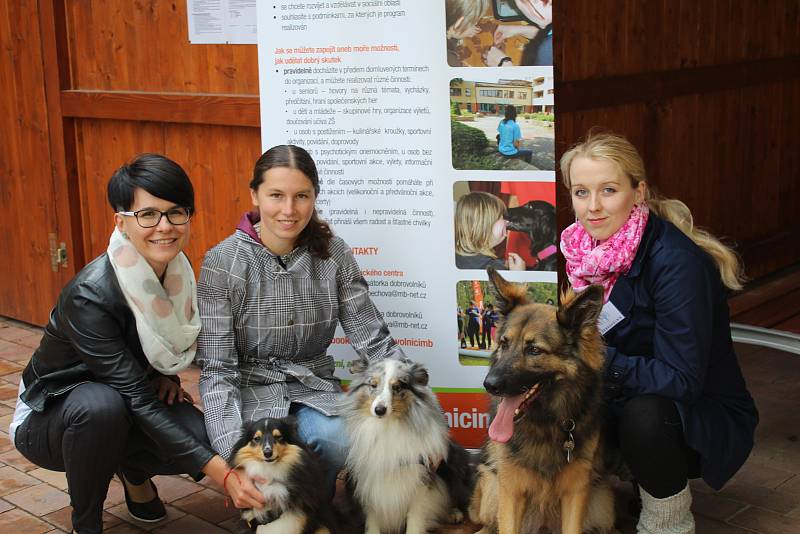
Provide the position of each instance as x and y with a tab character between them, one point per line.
610	316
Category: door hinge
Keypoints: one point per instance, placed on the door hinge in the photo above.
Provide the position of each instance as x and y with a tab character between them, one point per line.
58	253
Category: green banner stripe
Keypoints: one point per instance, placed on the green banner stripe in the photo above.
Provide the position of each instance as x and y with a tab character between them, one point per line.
459	390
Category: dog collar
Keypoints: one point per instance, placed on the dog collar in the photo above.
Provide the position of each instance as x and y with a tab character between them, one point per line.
546	252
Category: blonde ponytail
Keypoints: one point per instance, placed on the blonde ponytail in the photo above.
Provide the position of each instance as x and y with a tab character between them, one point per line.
678	213
617	149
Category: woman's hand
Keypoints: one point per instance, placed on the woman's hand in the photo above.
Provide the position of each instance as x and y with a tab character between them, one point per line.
242	491
515	262
507	31
237	486
169	391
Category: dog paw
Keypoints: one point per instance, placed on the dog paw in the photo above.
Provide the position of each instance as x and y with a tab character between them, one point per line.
456	516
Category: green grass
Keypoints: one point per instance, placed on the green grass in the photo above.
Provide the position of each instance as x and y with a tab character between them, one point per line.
473	360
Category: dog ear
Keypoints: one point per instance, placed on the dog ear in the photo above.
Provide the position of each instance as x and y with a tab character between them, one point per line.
358	367
578	311
507	295
420	374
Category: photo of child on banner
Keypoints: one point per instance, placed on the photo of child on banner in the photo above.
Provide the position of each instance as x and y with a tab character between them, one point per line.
499	33
503	124
478	317
505	225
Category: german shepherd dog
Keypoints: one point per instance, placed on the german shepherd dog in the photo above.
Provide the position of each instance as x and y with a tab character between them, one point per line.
537	219
543	465
296	502
405	471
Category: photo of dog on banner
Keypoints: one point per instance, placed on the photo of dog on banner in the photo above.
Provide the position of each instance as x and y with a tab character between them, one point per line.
631	374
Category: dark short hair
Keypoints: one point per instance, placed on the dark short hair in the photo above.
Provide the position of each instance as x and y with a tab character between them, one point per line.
317	234
156	174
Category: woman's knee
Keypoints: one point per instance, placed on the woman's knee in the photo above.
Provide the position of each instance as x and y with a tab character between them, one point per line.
325	436
98	406
649	422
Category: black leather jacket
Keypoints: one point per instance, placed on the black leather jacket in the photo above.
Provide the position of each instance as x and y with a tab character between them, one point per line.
92	337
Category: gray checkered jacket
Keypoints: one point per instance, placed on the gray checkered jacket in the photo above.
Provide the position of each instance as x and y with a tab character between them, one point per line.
266	331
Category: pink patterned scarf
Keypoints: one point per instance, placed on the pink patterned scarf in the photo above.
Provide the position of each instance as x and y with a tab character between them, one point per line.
591	263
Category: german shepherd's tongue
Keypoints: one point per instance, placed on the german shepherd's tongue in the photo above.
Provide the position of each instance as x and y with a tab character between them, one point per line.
502	427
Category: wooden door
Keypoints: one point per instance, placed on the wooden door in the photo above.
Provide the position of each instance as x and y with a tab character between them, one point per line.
30	210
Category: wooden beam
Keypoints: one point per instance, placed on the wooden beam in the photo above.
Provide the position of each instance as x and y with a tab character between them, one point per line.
192	108
66	199
577	95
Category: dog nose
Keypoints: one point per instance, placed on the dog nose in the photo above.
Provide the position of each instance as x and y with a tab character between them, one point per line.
380	410
267	452
492	384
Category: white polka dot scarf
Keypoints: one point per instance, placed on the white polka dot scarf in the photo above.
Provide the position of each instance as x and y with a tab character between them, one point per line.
166	315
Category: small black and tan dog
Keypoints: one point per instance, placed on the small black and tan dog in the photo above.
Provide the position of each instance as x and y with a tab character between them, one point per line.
296	501
543	466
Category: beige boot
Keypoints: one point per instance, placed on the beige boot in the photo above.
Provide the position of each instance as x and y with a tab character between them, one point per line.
670	515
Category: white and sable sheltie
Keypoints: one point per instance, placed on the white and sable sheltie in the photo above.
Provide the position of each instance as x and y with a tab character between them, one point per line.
296	501
404	468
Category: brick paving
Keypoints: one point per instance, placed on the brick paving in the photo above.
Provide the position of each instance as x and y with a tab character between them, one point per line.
764	497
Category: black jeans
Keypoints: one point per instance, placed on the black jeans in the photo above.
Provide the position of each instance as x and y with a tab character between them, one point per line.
89	433
648	431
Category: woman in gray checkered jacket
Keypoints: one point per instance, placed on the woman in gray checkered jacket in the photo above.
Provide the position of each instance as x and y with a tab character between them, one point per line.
270	298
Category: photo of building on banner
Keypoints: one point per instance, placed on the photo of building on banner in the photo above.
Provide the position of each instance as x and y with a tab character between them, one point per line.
371	92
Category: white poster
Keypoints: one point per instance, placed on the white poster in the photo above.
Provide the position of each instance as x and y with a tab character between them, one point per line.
222	21
411	132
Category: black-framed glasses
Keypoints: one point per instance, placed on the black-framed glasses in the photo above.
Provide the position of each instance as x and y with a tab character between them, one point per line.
150	217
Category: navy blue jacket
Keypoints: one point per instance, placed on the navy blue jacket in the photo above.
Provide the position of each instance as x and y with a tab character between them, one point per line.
675	341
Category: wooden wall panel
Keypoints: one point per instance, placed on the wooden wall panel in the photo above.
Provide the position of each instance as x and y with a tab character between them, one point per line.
602	39
144	46
218	160
27	196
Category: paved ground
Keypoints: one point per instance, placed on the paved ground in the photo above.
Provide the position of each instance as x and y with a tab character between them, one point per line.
764	497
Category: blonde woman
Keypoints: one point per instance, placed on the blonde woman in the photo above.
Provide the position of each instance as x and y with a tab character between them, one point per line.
480	226
678	404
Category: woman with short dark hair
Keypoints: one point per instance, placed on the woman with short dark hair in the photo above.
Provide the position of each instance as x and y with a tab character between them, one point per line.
271	296
101	394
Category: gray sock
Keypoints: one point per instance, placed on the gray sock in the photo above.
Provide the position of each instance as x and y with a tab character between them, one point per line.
670	515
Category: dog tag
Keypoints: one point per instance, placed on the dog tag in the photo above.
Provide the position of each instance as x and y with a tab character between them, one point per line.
610	316
569	446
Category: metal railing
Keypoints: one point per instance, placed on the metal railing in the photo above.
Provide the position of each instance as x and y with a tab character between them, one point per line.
766	337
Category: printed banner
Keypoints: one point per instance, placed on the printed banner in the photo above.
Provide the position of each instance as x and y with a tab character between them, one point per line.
431	123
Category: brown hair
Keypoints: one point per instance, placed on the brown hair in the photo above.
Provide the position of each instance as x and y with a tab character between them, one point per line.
317	234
